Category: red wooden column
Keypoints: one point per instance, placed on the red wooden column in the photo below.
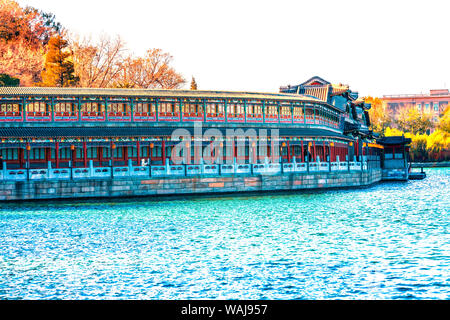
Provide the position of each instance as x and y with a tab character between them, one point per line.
138	146
333	152
85	154
57	154
72	155
111	149
302	153
314	151
28	147
211	152
289	151
254	156
196	159
125	154
164	152
188	151
233	148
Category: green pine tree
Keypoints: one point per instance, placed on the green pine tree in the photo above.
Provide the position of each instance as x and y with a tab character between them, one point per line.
193	84
8	81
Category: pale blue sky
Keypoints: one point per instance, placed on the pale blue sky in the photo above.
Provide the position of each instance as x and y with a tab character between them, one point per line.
378	47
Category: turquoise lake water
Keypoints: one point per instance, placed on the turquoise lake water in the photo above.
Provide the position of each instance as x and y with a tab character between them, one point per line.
388	241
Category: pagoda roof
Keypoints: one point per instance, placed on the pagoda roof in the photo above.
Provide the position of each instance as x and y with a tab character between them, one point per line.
316	81
394	140
320	88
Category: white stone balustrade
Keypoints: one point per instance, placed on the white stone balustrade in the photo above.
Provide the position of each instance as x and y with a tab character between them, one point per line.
227	168
324	166
140	171
243	168
176	170
158	171
334	166
17	175
121	172
210	169
59	173
301	167
79	173
180	170
193	169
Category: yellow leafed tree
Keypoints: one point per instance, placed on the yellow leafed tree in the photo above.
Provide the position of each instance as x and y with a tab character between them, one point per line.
438	141
58	69
444	123
379	116
411	120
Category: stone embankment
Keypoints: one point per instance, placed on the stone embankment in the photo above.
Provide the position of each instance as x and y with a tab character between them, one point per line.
139	186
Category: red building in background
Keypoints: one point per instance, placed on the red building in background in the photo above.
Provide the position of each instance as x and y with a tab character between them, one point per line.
434	103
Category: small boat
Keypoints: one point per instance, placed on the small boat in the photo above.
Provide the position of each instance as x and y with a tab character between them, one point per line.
417	175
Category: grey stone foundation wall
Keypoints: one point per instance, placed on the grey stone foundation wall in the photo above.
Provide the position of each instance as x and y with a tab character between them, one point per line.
53	189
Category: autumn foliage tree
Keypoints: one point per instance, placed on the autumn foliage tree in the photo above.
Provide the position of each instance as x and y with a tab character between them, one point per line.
58	68
380	118
413	121
105	63
425	145
152	71
31	51
24	34
97	64
444	122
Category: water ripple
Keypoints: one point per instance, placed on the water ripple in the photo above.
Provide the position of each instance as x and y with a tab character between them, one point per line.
389	241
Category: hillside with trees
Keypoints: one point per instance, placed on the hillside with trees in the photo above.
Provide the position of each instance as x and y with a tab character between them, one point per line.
39	51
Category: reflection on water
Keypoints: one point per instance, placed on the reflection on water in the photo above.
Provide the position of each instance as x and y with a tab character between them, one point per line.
389	241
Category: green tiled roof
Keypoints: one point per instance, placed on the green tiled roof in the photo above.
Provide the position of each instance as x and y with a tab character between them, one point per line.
39	91
52	132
